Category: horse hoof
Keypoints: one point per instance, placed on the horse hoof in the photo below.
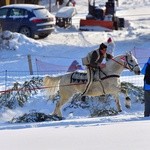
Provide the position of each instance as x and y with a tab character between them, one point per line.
83	98
57	117
128	98
127	106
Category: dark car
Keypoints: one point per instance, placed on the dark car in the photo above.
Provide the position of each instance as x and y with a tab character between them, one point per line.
27	19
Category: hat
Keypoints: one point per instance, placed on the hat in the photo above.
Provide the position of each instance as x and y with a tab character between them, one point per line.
109	40
102	46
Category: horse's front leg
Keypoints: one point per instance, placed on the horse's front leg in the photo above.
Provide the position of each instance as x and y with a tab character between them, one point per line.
118	105
127	100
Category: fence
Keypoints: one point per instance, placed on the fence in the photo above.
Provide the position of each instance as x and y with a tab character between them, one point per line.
42	68
8	78
7	81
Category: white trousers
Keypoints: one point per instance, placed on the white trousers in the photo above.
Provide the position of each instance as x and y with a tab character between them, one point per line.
90	75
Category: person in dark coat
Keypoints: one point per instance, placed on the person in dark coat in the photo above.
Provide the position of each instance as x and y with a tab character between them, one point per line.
146	71
95	62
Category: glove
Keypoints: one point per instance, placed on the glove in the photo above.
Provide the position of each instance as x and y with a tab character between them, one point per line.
109	56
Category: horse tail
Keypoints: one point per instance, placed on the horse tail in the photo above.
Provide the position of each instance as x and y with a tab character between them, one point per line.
51	85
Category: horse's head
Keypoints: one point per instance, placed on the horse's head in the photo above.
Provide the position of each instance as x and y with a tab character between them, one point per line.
131	63
118	63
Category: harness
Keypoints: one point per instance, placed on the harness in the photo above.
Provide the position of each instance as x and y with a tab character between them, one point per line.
106	77
126	64
81	78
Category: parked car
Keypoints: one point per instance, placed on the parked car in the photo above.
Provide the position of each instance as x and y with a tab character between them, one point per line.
27	19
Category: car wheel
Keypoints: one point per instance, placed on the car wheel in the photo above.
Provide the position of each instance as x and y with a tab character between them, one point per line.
41	36
26	31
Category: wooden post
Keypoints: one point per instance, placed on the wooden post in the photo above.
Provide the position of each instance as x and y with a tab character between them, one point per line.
117	2
5	84
1	28
30	64
7	2
50	10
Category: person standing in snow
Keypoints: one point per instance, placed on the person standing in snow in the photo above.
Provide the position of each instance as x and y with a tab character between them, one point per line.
146	71
59	2
110	48
72	2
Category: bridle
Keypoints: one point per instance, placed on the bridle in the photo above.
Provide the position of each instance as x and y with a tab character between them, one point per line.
128	65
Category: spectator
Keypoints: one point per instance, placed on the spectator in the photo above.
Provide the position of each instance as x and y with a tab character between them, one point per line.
110	48
72	2
59	2
146	71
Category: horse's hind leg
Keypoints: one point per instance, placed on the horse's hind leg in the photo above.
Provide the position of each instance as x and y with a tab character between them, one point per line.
57	110
59	104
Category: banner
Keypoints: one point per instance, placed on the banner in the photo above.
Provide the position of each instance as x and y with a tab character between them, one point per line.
50	68
44	67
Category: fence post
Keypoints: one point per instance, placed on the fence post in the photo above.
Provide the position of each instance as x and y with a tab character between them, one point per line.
7	2
30	64
50	7
5	84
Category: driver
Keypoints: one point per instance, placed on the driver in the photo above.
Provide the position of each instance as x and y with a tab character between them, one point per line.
95	62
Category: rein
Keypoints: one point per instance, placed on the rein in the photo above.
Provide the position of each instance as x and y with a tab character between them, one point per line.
130	66
120	63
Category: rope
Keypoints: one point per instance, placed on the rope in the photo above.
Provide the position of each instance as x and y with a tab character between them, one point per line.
120	63
45	87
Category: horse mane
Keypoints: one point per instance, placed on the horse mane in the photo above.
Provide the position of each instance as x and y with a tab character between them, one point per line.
117	57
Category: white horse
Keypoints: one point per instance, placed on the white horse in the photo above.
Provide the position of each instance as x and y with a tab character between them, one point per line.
106	81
